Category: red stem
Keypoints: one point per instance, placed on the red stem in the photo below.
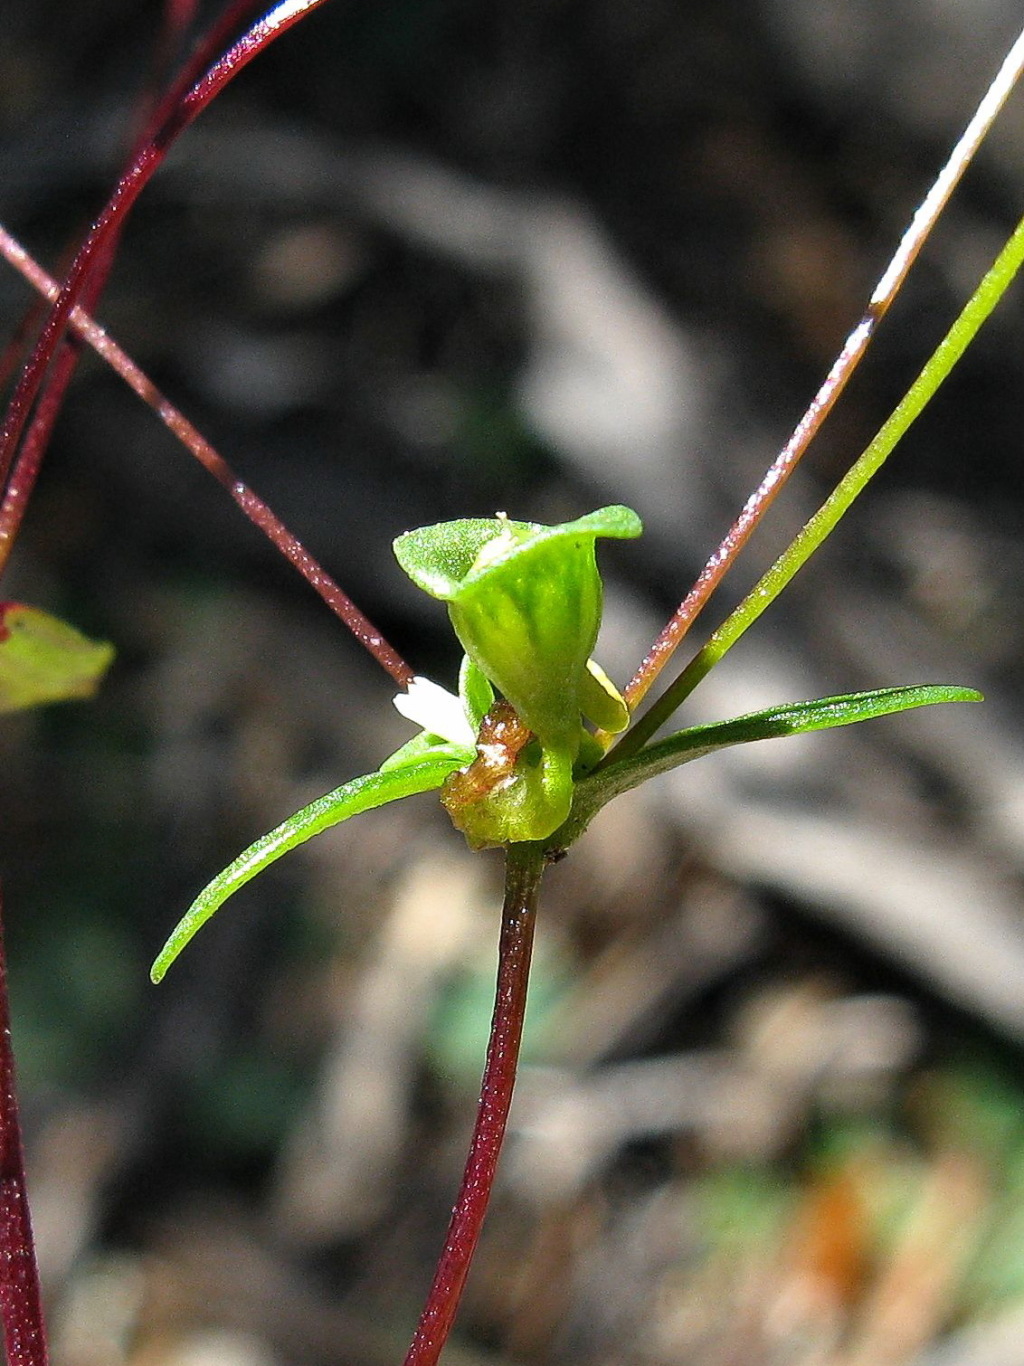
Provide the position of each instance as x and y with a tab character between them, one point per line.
149	157
250	503
524	866
178	17
20	1297
201	56
835	381
85	279
24	468
756	505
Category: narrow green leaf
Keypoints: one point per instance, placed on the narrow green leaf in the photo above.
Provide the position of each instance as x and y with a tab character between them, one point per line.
792	718
425	746
361	794
934	372
43	659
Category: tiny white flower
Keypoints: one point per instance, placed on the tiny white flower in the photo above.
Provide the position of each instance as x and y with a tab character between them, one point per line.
437	710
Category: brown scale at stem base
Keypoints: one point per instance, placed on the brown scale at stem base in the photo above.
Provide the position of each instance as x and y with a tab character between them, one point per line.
501	739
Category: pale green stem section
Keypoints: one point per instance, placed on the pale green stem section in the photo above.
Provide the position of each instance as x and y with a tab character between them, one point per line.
824	521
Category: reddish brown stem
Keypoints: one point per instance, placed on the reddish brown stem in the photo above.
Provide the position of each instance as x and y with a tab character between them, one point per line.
176	112
16	349
151	155
835	381
20	1297
524	866
336	599
201	56
178	16
87	273
251	504
24	468
755	507
30	456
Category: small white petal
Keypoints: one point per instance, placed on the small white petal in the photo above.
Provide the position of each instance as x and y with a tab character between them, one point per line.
436	710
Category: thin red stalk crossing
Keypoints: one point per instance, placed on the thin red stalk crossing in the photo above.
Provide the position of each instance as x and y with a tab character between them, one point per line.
178	17
524	866
24	469
20	1297
151	155
202	55
177	110
250	503
835	381
17	347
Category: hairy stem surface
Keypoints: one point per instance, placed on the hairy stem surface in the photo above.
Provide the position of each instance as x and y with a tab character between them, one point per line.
821	525
20	1297
189	435
524	866
835	381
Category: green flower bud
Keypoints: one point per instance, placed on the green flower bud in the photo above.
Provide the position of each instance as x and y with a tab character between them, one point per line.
525	601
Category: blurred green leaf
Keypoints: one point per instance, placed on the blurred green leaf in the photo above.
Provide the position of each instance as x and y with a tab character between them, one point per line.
43	659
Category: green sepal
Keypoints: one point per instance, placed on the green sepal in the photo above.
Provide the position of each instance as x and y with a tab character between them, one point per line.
792	718
352	798
525	601
476	692
601	701
537	797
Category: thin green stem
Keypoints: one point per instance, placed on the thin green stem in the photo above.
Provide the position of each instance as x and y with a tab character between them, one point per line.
524	867
835	381
824	521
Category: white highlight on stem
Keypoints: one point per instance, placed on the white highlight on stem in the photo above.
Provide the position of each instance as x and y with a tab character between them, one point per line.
945	182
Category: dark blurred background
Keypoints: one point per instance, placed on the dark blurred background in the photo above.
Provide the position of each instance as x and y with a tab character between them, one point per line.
431	259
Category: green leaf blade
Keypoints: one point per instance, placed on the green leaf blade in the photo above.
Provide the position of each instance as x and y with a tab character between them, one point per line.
826	713
351	799
791	718
43	659
799	718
